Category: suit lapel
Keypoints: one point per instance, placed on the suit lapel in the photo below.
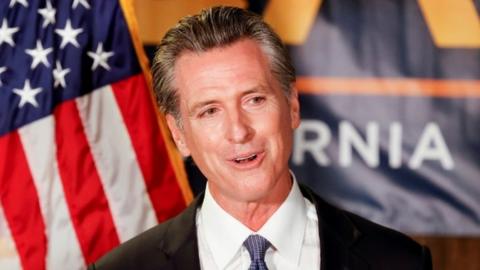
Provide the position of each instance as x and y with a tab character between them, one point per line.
180	241
337	236
187	256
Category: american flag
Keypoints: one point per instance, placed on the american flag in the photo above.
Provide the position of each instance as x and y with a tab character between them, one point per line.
83	161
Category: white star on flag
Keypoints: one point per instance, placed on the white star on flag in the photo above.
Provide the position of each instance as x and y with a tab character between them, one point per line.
100	57
6	33
2	69
27	94
48	14
59	75
69	34
22	2
39	55
84	3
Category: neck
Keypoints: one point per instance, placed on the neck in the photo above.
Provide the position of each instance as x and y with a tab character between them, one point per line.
255	213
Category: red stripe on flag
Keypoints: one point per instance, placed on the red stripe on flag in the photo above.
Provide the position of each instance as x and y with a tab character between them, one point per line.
20	202
83	189
136	106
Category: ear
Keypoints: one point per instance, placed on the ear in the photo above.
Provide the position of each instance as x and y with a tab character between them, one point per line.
177	135
294	108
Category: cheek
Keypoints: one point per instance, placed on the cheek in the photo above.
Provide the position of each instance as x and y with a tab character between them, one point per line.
281	133
275	133
278	123
205	138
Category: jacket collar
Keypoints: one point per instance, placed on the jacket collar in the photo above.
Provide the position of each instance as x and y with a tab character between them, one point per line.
336	231
179	242
337	235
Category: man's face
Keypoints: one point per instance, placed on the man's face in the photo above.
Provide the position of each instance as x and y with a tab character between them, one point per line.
237	123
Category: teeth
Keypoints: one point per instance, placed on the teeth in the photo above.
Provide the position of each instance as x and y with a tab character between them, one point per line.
249	158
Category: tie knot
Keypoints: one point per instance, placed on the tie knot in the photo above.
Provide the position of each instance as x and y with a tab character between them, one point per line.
256	246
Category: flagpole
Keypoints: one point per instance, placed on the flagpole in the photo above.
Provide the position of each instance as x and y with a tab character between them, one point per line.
175	157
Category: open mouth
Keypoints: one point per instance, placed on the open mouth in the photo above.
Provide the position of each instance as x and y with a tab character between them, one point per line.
245	159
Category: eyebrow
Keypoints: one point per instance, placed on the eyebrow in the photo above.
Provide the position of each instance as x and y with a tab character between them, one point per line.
197	106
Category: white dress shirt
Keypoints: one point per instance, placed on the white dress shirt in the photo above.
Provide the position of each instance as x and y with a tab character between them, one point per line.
292	230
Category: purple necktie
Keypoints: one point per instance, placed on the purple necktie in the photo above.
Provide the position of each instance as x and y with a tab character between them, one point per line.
257	247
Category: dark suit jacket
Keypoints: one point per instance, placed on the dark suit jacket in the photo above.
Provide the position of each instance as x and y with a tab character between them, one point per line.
347	241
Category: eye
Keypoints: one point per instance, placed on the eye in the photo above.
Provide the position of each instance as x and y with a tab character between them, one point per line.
208	112
257	100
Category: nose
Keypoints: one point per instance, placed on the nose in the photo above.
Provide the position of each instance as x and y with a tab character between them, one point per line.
239	127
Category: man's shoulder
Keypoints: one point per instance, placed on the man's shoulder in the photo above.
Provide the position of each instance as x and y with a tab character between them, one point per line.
138	247
143	248
372	243
151	249
388	246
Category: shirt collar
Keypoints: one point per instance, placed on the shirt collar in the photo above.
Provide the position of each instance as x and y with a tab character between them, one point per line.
286	227
225	235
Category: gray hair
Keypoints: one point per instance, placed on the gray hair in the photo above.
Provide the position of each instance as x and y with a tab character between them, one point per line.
213	28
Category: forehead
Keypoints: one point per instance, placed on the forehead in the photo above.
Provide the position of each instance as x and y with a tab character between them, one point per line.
242	64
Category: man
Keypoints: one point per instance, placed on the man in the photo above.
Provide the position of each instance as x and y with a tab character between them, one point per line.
226	85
